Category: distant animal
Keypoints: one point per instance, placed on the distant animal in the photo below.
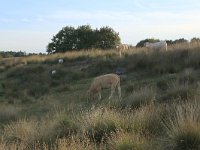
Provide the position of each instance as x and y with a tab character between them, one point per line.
60	61
53	72
105	81
121	47
160	46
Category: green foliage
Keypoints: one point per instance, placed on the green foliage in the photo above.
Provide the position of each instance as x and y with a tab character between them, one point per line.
169	42
64	40
11	54
83	37
142	42
106	38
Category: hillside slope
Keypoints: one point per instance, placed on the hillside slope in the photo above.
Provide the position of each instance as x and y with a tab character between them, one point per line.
159	107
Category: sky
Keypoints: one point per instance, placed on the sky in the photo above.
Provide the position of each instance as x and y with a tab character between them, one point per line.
29	25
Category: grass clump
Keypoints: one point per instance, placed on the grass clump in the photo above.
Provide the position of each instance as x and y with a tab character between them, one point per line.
9	113
183	129
74	143
139	97
128	141
187	76
147	120
100	123
29	131
178	91
23	130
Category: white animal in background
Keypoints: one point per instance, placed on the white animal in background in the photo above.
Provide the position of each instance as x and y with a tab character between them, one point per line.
162	45
121	47
53	72
60	61
105	81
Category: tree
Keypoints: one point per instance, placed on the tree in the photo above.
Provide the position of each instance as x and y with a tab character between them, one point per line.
84	37
195	40
141	43
64	40
106	38
181	40
169	42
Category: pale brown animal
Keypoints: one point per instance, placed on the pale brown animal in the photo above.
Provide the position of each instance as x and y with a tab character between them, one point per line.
105	81
122	47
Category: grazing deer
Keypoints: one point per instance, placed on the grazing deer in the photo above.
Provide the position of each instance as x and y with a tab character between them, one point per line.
105	81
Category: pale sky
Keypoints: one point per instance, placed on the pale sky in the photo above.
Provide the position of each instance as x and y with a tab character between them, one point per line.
29	25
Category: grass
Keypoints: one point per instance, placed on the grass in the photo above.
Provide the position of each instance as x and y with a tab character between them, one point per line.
123	141
139	97
159	107
183	130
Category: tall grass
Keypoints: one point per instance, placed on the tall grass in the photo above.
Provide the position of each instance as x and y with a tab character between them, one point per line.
29	131
139	97
125	140
179	92
99	123
8	113
183	128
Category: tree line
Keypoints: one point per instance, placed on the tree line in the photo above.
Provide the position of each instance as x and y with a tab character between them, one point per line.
83	37
169	42
7	54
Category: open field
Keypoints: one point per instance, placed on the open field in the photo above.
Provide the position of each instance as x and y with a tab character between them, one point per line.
159	109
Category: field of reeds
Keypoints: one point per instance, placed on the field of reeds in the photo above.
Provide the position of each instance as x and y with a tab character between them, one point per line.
159	109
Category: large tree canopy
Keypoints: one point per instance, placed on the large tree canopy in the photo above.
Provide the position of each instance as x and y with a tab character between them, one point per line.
83	37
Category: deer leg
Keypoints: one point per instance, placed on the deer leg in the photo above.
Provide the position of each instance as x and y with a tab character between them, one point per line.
112	92
99	95
119	91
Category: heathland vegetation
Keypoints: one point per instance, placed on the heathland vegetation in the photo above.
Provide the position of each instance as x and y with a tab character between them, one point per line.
159	108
